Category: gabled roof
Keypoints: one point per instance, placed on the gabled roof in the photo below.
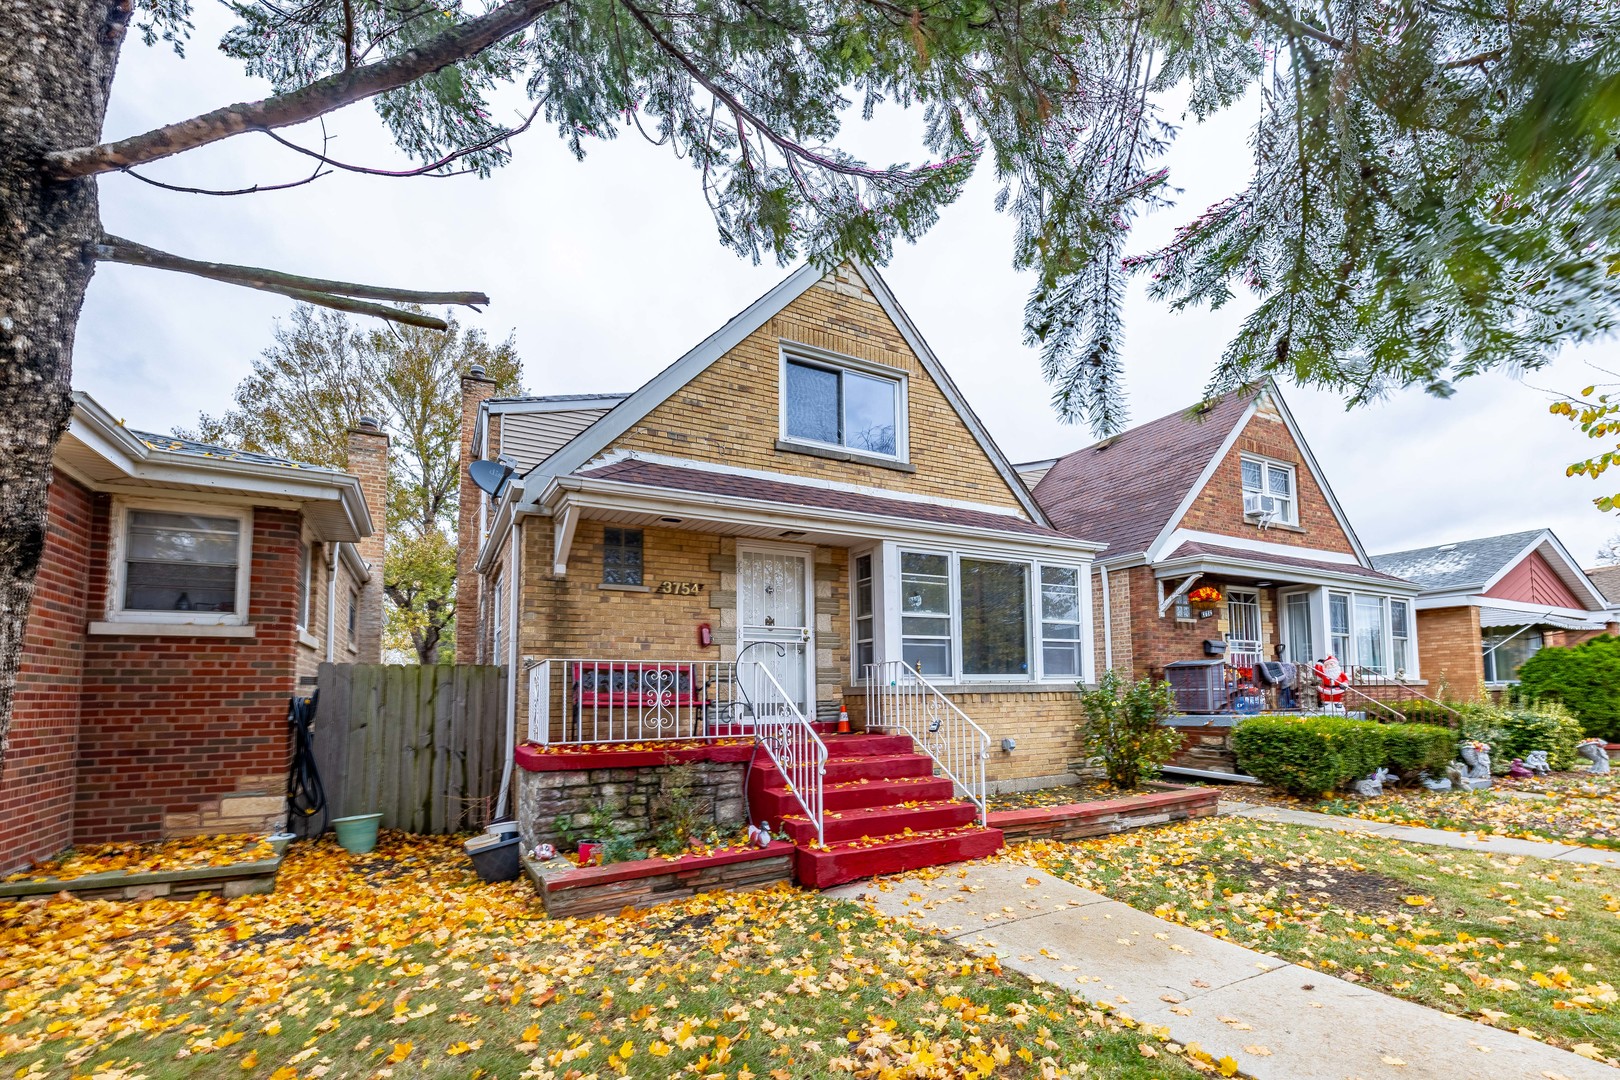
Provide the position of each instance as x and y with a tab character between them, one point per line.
1125	490
1607	579
1473	566
626	413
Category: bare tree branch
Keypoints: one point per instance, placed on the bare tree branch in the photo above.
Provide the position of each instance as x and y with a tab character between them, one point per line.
307	102
255	189
483	144
341	295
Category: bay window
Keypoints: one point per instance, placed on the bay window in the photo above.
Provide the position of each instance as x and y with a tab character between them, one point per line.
977	617
178	563
1371	641
1400	636
1339	627
1371	635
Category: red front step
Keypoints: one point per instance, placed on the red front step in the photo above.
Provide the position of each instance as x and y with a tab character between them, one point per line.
852	860
876	821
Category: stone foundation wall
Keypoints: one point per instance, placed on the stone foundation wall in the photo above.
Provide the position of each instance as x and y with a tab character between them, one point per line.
634	795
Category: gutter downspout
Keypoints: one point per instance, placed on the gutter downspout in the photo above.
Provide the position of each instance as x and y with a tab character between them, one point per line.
1107	621
331	598
513	574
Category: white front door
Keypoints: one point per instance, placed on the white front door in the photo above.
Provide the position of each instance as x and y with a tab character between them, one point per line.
775	617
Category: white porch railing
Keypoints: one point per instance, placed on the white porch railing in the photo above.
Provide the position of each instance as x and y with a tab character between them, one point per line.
899	699
582	702
781	728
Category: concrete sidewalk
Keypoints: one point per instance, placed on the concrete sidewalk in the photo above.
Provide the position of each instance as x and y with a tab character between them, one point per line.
1277	1020
1495	845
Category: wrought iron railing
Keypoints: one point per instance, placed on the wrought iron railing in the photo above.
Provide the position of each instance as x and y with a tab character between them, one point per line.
1362	677
901	700
781	728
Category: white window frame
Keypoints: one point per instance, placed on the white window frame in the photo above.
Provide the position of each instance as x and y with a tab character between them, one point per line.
1033	642
1490	656
497	635
812	357
1039	619
118	568
1354	662
1266	465
874	585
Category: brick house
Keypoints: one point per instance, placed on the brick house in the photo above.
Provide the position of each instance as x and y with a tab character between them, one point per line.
185	592
1490	603
802	506
1228	496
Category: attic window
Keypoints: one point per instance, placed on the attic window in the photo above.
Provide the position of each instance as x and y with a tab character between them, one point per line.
1268	491
832	404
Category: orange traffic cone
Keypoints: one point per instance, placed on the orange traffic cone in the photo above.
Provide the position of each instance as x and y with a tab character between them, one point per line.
843	720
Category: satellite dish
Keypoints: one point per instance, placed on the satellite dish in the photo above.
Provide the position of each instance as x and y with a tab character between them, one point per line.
490	476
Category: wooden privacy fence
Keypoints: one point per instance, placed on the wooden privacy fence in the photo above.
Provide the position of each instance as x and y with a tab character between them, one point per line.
422	745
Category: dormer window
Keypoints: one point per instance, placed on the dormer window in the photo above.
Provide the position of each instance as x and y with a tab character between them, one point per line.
846	406
1268	491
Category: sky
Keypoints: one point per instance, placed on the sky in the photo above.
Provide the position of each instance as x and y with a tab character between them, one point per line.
607	269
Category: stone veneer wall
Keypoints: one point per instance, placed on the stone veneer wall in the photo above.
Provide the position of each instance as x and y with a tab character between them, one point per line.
633	793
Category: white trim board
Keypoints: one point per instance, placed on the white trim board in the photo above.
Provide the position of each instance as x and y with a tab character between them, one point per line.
1259	547
626	414
1576	578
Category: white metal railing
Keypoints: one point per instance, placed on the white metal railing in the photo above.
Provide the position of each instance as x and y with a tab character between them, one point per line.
781	728
580	702
901	700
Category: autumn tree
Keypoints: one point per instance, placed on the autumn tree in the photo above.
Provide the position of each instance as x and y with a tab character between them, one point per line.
1432	192
306	390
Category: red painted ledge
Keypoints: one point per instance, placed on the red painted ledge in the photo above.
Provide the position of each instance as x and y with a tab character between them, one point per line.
586	876
1135	804
536	758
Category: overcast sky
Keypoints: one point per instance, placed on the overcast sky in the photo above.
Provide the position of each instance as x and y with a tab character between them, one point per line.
608	269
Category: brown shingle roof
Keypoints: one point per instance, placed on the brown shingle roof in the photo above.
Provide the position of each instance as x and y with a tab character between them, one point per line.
656	474
1122	491
1214	551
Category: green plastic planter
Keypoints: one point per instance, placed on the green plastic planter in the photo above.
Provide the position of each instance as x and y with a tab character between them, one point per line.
357	834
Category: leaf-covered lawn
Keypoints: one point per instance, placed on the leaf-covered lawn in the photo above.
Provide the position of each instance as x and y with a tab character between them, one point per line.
187	853
1518	943
402	964
1573	808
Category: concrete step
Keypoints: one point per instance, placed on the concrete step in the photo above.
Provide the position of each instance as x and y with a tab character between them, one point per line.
851	860
871	822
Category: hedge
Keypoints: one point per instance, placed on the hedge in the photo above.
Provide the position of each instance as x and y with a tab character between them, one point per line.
1584	678
1423	711
1308	756
1411	748
1515	732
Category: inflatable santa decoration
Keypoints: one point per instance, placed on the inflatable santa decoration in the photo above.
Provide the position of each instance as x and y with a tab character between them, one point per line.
1334	679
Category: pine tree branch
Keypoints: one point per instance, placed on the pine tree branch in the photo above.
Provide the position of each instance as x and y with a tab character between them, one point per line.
1288	22
307	102
341	295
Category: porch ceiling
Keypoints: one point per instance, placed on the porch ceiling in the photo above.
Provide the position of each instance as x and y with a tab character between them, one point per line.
1256	566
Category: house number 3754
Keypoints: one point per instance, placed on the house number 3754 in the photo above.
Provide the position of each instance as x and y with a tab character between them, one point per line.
680	588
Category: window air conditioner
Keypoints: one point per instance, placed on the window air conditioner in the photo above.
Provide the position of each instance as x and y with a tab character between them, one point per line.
1259	505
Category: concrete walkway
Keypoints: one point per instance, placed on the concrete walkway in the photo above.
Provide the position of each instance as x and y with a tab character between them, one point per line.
1277	1020
1495	845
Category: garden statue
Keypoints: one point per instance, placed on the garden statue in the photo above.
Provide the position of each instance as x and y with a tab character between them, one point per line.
1595	751
760	837
545	852
1477	758
1536	762
1334	679
1442	784
1518	770
1374	784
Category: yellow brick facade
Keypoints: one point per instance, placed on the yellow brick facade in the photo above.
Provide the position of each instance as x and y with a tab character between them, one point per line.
730	413
1449	652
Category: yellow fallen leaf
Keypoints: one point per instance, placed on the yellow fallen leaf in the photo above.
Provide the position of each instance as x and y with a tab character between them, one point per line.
1228	1066
628	1050
1587	1050
1394	1061
227	1039
1416	900
249	1060
456	1049
1258	1051
659	1049
402	1050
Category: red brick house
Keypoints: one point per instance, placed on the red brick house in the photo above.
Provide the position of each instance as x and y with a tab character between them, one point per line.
1490	603
1229	497
184	593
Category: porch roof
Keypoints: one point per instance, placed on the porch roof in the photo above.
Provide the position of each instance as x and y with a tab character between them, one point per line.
649	474
1212	558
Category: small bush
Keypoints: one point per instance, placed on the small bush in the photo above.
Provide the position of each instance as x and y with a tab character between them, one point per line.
1308	756
1124	728
1545	726
1411	748
1584	678
1488	724
1421	711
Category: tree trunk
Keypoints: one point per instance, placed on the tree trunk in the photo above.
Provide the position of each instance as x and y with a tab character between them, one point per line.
56	67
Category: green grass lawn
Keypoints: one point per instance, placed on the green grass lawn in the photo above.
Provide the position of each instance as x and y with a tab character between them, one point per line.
1519	943
402	964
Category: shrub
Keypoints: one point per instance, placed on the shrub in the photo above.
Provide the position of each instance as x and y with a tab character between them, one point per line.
1584	678
1423	711
1123	728
1545	726
1488	724
1308	756
1411	748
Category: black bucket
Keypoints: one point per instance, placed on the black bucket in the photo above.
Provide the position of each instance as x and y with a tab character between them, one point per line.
497	862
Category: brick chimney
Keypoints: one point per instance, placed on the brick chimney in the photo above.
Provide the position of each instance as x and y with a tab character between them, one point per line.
476	388
368	460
